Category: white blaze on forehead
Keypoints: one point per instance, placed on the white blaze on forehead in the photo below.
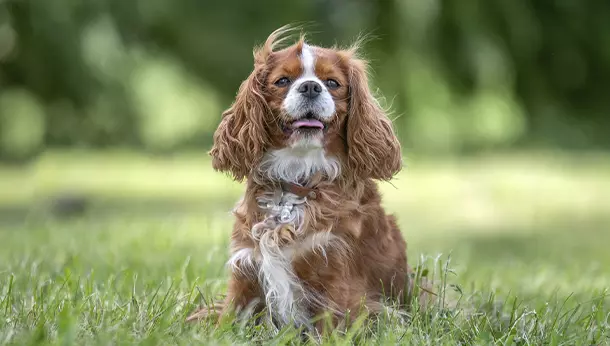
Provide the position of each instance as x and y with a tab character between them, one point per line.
308	60
295	104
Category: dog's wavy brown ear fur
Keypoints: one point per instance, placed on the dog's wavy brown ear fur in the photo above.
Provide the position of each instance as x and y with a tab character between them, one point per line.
373	148
243	136
239	140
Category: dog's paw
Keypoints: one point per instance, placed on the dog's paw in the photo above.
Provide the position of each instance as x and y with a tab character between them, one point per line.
284	235
207	312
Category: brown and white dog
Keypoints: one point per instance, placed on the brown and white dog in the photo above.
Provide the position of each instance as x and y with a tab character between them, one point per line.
310	235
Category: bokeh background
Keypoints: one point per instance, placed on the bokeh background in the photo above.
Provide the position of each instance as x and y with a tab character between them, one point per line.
154	75
107	110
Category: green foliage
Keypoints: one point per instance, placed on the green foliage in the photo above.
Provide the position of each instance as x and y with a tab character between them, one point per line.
155	74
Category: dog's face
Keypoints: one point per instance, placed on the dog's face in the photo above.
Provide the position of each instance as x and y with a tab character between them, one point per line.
308	91
306	99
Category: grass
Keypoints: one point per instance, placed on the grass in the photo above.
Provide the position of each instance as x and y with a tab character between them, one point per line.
521	240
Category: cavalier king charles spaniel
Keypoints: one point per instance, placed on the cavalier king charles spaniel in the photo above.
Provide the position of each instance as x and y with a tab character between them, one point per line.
310	235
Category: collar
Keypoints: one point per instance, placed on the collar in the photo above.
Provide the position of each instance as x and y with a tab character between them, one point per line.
301	191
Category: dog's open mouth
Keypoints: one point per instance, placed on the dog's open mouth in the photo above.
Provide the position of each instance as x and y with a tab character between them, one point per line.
308	124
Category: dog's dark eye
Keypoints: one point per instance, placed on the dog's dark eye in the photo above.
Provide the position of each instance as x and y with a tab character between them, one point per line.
282	82
332	84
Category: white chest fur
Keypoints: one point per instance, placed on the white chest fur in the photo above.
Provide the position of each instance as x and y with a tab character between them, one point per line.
284	293
285	296
272	263
295	164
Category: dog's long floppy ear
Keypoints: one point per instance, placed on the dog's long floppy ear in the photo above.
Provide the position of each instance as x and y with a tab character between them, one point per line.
243	136
239	140
373	148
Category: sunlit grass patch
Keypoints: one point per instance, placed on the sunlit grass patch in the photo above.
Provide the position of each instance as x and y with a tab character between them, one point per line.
112	287
527	238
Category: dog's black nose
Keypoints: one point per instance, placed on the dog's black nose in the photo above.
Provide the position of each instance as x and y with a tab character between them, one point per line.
310	89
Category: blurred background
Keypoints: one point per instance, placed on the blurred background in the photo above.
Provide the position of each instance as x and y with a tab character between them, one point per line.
108	107
154	75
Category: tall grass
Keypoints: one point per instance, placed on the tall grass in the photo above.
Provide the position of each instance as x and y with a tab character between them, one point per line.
517	244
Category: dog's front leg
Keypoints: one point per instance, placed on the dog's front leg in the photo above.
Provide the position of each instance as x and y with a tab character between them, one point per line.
243	297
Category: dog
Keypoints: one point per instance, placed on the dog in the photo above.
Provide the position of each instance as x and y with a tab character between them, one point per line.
311	237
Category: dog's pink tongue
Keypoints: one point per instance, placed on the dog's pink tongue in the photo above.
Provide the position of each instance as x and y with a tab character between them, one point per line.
307	123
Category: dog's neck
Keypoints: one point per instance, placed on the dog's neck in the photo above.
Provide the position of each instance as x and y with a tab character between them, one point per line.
299	166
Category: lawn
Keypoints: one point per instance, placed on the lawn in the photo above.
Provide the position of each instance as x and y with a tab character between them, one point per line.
521	239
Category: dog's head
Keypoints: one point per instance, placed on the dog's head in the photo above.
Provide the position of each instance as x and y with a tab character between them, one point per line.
306	98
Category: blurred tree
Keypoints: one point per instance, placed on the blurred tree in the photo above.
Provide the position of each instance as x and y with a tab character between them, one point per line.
387	51
467	75
554	55
48	61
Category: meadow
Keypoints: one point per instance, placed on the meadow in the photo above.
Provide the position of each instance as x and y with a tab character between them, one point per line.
521	240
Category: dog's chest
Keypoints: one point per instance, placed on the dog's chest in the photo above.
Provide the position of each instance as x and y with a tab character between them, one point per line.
283	238
278	236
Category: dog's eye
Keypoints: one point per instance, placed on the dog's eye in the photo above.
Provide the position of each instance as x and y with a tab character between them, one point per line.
332	84
282	82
